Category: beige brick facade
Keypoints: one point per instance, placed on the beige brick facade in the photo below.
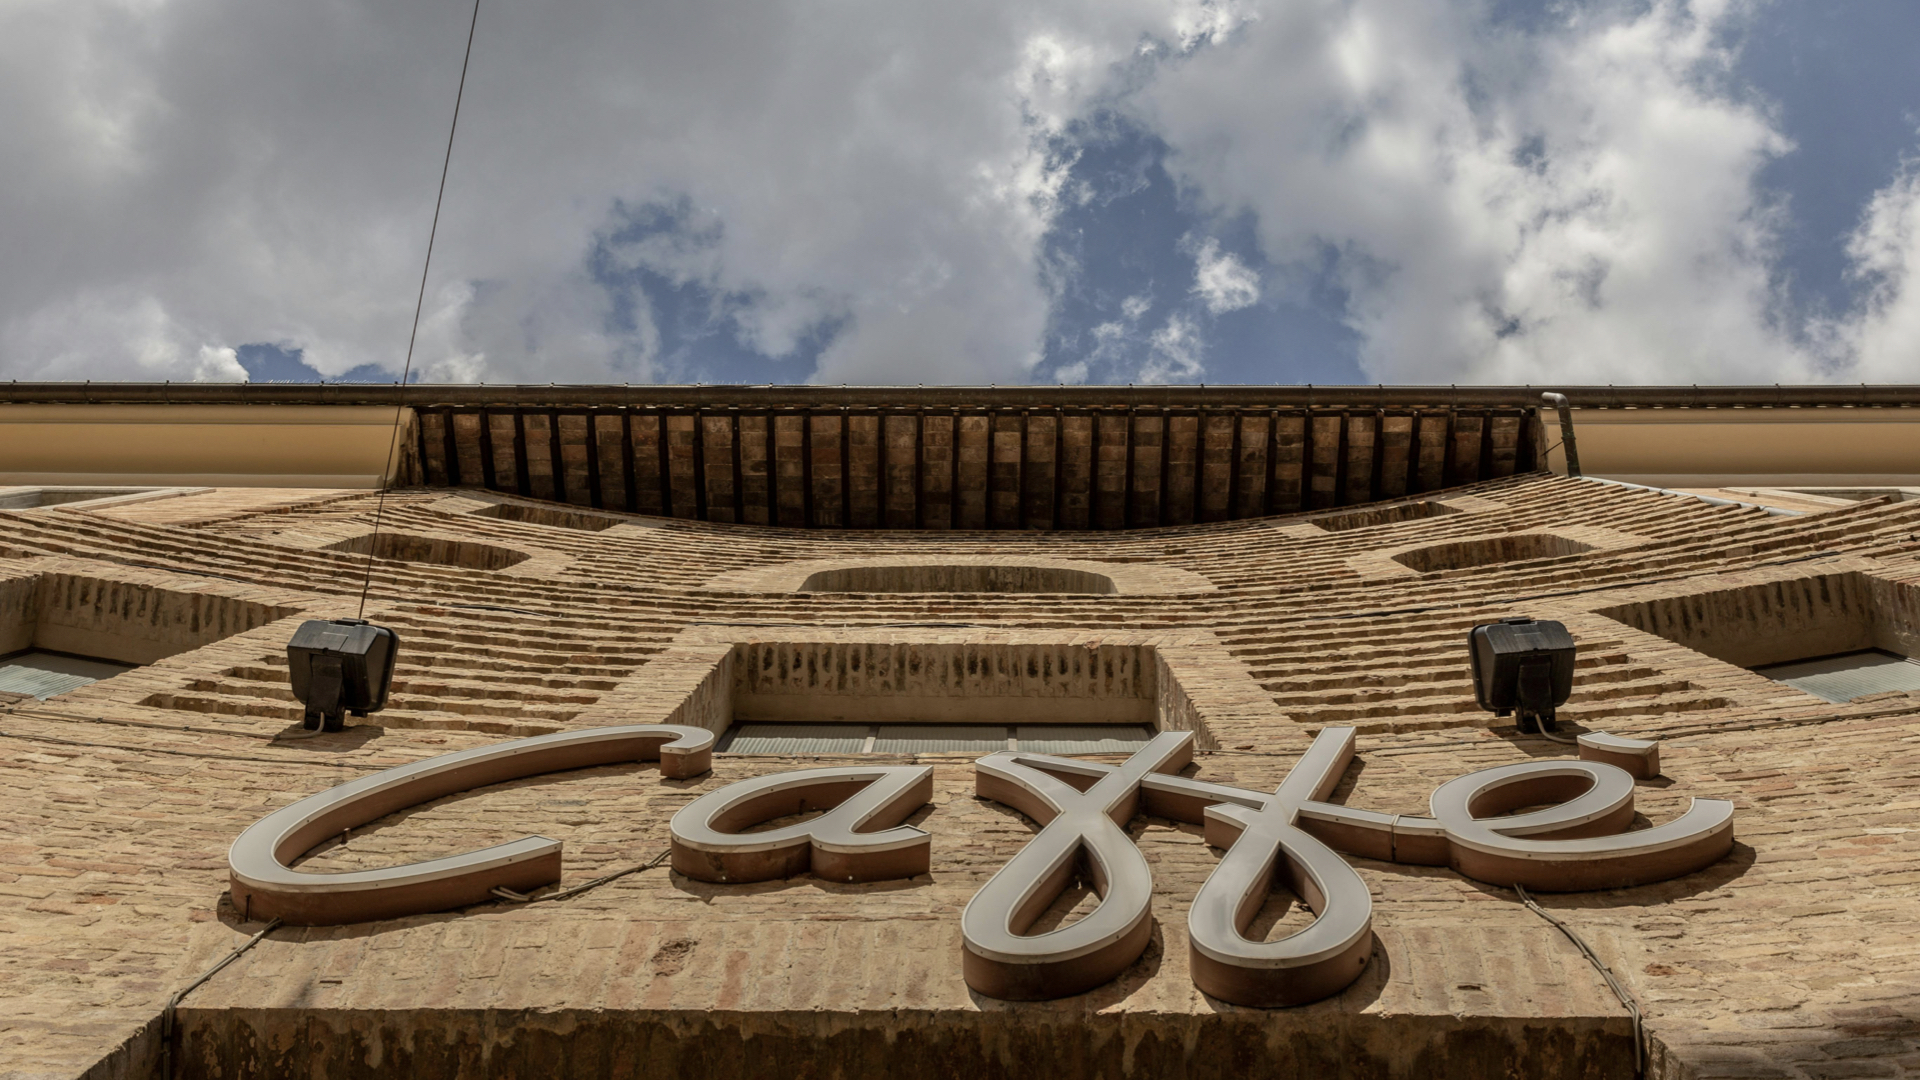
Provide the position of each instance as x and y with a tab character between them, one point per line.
1793	957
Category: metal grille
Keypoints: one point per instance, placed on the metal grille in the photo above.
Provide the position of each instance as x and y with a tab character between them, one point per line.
1848	675
794	739
44	674
939	738
1083	738
780	738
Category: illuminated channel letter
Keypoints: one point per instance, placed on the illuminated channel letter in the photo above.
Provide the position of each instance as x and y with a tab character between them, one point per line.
1640	757
264	887
1262	839
859	838
1083	807
1580	844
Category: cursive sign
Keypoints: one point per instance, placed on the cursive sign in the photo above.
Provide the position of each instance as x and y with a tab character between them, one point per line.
265	888
1084	809
1292	834
1580	840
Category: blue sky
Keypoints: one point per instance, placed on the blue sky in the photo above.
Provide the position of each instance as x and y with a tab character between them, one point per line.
1845	79
1176	191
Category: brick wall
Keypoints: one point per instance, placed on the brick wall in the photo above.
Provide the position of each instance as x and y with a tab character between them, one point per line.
1789	959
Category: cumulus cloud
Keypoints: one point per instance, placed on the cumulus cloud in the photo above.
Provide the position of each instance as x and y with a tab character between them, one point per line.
1222	281
71	336
1175	352
865	191
1577	201
1071	374
264	173
1884	334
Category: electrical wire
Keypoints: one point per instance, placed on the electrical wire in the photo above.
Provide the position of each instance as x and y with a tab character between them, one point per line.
1626	999
419	302
173	1003
512	897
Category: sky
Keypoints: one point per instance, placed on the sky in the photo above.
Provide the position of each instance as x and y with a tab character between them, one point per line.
1003	191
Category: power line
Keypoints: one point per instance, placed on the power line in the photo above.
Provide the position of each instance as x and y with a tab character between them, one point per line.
419	302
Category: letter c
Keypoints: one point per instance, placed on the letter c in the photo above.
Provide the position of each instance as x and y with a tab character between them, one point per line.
264	887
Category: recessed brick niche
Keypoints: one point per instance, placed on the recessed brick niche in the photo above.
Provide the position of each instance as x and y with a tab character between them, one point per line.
938	682
960	578
1171	682
1383	515
552	517
963	573
123	621
433	550
1780	621
1489	550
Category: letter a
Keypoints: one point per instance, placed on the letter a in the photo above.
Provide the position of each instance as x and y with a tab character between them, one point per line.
859	838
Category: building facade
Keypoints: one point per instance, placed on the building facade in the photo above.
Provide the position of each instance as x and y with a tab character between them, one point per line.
939	602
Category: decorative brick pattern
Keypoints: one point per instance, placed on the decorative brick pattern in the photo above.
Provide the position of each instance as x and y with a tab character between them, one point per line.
1792	958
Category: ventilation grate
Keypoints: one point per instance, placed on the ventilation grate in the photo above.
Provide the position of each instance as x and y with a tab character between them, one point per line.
1083	738
784	738
794	739
44	674
1848	675
939	738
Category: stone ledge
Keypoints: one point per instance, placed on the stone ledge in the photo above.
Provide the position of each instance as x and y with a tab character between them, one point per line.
343	1044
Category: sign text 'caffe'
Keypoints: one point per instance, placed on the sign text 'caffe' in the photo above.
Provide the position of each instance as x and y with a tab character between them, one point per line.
1580	841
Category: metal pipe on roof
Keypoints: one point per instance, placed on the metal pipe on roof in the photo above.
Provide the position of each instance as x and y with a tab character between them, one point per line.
1559	403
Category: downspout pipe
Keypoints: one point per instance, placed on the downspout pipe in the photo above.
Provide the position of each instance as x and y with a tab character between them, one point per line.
1560	405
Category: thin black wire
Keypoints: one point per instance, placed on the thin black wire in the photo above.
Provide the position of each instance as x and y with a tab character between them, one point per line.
1627	1000
419	301
173	1003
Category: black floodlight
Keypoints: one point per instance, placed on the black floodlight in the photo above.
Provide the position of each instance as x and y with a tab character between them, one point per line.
340	666
1522	666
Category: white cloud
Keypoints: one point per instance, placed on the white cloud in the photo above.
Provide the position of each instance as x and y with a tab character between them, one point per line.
1578	202
1199	22
1579	205
72	337
218	365
1222	281
1175	352
1884	334
253	172
1071	374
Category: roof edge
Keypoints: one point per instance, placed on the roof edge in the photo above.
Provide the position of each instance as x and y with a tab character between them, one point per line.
769	396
